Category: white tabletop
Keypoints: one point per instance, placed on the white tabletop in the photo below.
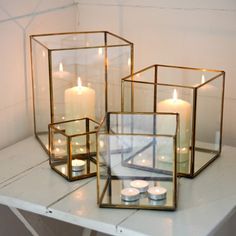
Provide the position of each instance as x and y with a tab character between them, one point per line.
28	183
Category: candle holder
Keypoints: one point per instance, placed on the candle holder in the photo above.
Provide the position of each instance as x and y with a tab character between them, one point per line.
196	94
75	74
137	178
72	148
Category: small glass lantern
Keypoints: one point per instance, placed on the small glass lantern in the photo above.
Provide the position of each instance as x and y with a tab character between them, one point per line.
75	75
196	94
72	146
136	177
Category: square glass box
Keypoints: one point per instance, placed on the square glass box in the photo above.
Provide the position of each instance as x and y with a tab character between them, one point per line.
136	177
72	148
75	74
196	94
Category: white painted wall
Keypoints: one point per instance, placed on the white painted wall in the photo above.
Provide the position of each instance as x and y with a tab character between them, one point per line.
198	33
19	19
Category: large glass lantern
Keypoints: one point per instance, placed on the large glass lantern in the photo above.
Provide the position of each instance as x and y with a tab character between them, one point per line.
75	75
196	94
136	176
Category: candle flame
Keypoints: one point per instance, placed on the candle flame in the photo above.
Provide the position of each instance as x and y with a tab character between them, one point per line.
203	79
129	62
61	67
59	141
79	82
175	96
100	51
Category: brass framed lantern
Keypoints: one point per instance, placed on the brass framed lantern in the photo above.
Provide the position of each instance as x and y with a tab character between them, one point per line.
136	177
72	146
75	74
196	94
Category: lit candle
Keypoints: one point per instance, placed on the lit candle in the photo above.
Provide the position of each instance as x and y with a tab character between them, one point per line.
79	102
184	109
157	193
141	185
129	194
78	165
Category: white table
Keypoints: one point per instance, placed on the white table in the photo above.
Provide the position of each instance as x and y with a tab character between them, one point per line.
28	183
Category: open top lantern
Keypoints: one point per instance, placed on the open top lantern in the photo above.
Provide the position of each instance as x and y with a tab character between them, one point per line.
74	76
135	176
196	94
72	146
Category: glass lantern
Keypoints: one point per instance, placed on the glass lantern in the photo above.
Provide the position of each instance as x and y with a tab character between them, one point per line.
72	146
75	75
196	94
136	177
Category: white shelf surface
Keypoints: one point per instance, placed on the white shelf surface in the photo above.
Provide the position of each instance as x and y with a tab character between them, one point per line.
28	183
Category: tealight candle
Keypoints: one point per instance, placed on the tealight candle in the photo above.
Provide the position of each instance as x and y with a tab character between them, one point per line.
157	193
78	165
129	194
141	185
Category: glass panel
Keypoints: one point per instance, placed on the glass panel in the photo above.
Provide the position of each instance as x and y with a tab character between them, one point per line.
59	151
41	91
58	41
179	100
79	90
119	66
208	124
183	76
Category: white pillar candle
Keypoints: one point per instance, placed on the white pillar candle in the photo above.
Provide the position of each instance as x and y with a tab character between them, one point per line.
184	109
157	193
141	185
78	165
129	194
79	102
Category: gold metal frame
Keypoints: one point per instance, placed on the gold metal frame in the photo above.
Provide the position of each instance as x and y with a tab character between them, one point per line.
155	83
106	46
170	176
89	157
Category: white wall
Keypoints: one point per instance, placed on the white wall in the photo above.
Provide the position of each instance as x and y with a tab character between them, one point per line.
198	33
19	19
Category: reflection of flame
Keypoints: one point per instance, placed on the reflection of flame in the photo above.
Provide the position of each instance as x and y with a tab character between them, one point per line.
100	51
203	79
61	67
175	95
101	143
129	62
63	170
79	83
